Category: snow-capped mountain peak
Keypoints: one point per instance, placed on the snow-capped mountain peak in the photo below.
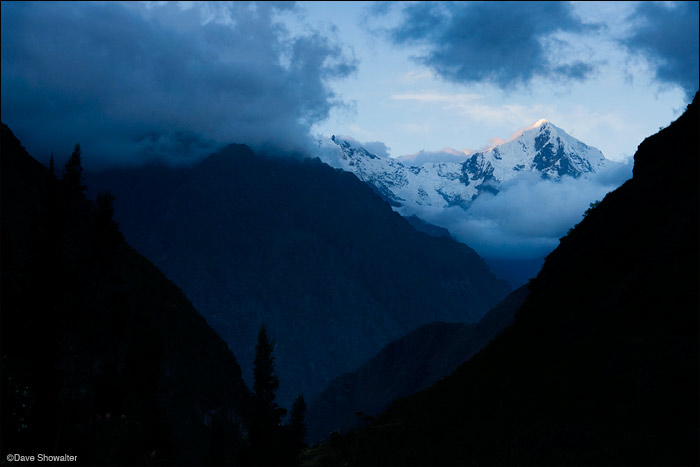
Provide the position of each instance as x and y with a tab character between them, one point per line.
541	148
544	148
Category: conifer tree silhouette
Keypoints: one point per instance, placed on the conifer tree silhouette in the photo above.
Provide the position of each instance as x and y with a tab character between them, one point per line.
73	174
52	166
266	383
266	431
297	426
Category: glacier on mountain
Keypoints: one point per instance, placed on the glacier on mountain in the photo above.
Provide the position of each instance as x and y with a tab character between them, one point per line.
543	148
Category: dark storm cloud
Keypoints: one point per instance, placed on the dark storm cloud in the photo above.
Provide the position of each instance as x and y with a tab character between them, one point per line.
503	43
668	37
133	83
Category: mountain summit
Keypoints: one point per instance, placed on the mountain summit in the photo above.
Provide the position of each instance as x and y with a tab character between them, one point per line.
543	148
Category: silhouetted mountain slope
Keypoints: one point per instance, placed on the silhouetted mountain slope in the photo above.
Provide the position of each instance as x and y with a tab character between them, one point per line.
404	367
310	251
103	357
426	227
601	364
516	271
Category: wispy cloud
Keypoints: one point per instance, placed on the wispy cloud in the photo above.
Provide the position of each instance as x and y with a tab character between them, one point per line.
457	99
474	107
417	76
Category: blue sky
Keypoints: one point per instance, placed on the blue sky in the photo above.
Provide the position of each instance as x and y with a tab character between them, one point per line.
135	82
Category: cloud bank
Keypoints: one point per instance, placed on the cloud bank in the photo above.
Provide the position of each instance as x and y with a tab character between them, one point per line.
377	148
503	43
138	82
526	219
444	155
667	36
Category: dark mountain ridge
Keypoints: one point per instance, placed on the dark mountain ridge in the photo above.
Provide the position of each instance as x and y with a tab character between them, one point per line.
403	367
601	364
308	250
103	357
